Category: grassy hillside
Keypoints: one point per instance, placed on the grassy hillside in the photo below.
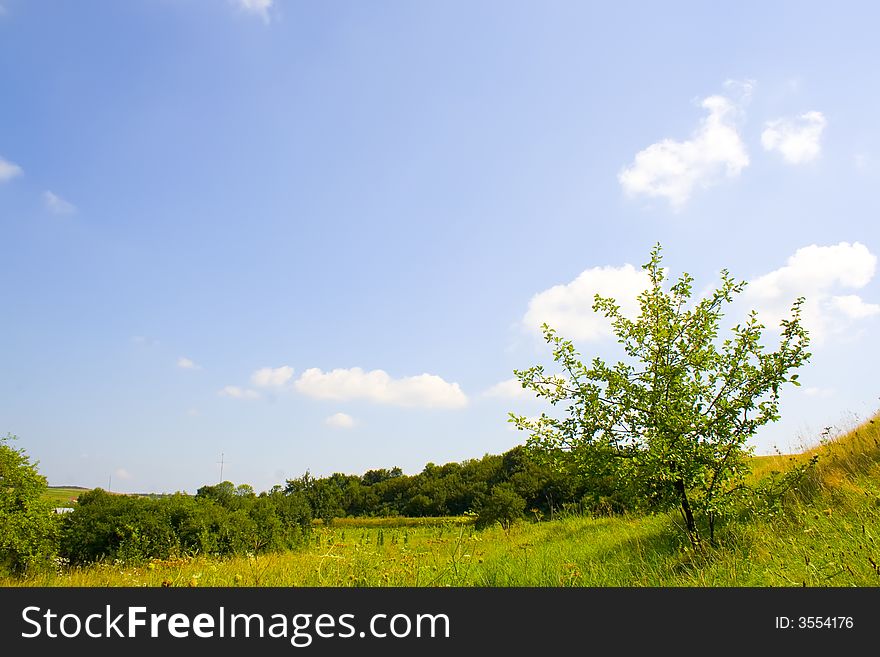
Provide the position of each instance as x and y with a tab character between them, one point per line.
828	535
67	495
63	495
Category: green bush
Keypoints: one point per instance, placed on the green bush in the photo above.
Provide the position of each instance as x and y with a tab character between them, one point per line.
503	505
28	526
132	529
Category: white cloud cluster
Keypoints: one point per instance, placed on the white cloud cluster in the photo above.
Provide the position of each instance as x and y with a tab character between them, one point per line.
8	170
269	377
820	274
424	390
185	363
340	421
569	308
57	205
797	139
673	169
238	393
259	7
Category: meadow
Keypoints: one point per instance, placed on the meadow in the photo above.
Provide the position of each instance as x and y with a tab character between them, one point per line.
63	496
826	534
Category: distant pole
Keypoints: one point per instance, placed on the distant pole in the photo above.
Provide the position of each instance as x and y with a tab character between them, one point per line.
221	467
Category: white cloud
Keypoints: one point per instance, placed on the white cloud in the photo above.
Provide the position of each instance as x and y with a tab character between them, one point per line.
672	169
56	204
8	170
185	363
424	390
193	412
340	421
853	307
144	341
122	473
259	7
268	377
509	389
238	393
797	139
569	308
814	391
816	273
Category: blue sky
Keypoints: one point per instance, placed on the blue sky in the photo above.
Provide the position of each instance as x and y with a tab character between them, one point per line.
320	235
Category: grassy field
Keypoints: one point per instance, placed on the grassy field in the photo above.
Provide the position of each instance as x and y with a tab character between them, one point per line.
829	535
63	495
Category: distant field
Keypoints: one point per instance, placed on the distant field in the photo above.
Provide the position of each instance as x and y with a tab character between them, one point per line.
63	495
67	495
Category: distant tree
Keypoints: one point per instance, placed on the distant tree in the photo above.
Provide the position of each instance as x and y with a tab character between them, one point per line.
372	477
223	493
323	495
671	421
503	505
28	528
244	490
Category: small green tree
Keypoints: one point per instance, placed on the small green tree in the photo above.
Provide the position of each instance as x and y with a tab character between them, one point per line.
503	505
28	528
670	422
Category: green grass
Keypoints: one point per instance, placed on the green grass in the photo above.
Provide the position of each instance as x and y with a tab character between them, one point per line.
396	522
63	495
828	535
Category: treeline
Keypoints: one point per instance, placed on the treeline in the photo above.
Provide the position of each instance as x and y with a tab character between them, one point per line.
509	484
225	519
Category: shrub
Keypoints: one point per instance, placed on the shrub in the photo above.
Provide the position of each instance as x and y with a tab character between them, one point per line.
28	527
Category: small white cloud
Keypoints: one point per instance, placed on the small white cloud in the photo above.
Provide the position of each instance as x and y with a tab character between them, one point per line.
57	205
673	169
258	7
185	363
144	340
569	308
238	393
815	391
508	389
797	139
8	170
740	91
424	390
853	307
816	272
122	473
193	412
269	377
340	421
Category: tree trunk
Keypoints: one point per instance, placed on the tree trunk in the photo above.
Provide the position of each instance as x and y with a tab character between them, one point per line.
692	532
